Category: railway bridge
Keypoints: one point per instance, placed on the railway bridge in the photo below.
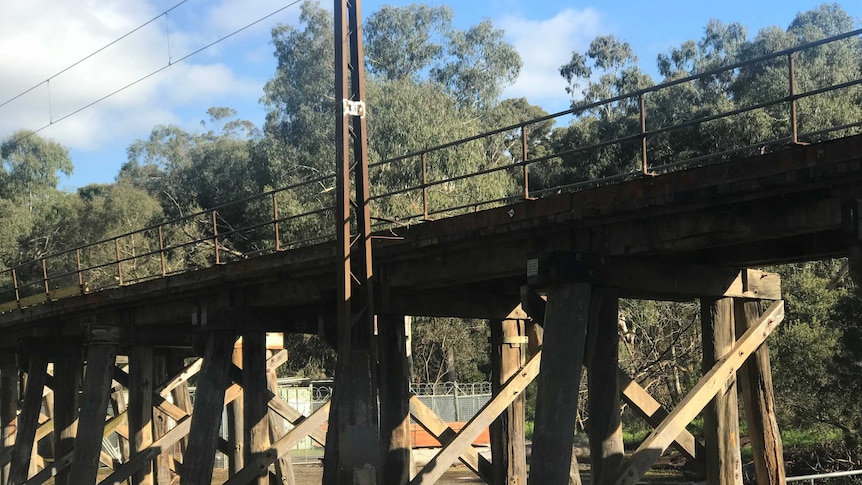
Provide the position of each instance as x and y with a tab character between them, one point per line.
545	267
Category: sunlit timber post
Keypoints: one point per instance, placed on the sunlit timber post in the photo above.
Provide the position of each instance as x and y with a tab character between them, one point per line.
353	443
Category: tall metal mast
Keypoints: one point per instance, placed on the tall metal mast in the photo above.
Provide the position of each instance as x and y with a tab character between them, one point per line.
354	456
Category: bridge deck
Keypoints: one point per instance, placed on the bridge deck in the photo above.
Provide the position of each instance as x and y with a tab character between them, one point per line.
779	207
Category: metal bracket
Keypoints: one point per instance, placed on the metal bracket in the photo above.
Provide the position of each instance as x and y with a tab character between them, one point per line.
519	340
353	108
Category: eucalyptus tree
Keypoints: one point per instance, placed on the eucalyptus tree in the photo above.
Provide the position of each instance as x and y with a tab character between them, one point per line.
34	210
816	357
607	69
30	166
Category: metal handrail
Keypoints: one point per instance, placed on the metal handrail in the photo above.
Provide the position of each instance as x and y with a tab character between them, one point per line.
822	476
212	242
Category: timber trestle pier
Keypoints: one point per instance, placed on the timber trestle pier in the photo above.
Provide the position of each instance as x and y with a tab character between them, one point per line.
560	262
129	332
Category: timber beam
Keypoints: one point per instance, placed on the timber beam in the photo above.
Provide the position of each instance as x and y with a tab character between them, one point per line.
646	279
460	302
304	319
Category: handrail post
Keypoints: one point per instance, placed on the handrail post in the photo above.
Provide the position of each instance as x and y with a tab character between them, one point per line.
215	238
119	263
524	161
162	252
644	159
78	267
424	187
45	275
275	221
15	284
794	129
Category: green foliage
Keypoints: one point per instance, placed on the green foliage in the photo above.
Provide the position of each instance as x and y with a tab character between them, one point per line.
32	210
608	68
816	352
403	42
448	349
29	166
300	121
430	83
661	346
310	357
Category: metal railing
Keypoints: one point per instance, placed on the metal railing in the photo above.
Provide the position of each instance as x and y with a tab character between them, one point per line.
823	476
424	184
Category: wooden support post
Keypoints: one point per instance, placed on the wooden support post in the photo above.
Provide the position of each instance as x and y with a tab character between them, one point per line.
636	396
535	338
119	407
235	413
97	383
603	387
755	381
721	417
141	408
255	418
28	420
394	381
180	392
209	402
508	442
164	462
557	395
182	428
68	369
8	410
284	464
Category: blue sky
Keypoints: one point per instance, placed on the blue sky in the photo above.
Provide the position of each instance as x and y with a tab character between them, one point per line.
40	37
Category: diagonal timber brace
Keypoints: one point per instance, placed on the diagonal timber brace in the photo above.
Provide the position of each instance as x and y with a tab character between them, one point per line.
159	399
657	442
425	417
489	412
302	428
632	393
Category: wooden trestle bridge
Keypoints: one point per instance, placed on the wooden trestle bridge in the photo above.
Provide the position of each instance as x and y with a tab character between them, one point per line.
78	329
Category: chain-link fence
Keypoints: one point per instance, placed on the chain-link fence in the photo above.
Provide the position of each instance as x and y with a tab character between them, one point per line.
453	401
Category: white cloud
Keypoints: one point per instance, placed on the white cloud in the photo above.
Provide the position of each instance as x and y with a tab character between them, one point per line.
38	38
545	45
230	15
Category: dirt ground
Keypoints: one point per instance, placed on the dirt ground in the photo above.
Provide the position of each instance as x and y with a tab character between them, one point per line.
313	475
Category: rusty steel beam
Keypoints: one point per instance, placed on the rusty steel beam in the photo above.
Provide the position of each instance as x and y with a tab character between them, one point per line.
353	452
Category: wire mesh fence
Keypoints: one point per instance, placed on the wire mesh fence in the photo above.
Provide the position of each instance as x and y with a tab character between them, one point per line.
451	401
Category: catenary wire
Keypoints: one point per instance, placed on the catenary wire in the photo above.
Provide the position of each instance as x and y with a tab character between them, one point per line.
109	44
166	66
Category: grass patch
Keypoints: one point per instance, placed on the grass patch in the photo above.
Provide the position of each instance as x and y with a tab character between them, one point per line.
529	428
634	438
795	438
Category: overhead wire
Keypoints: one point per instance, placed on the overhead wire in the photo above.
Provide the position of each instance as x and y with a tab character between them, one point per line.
109	44
153	73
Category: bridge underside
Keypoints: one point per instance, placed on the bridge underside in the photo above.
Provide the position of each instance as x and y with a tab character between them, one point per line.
561	261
